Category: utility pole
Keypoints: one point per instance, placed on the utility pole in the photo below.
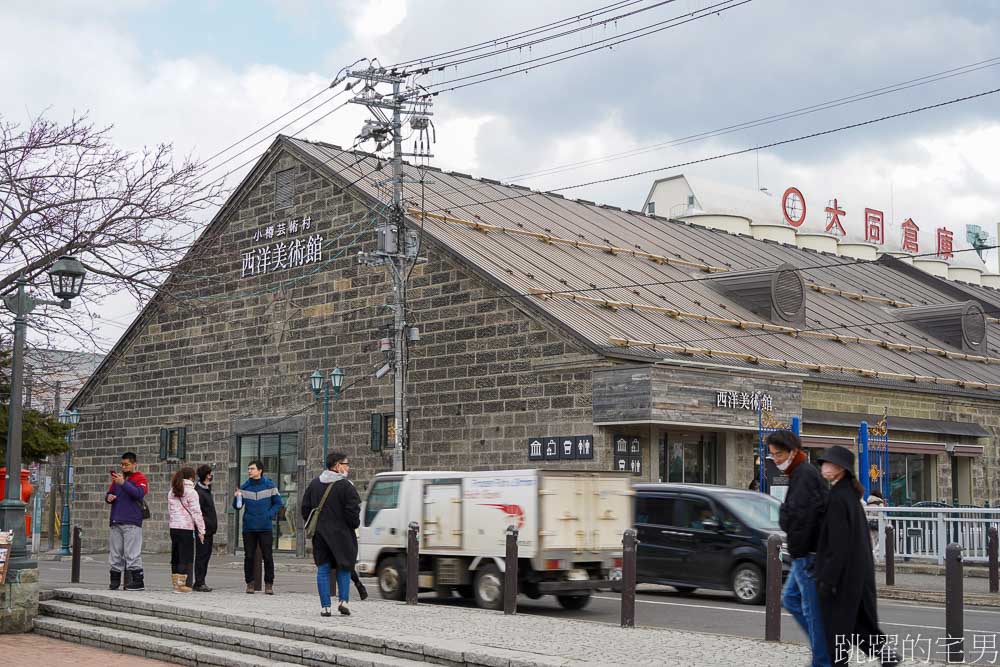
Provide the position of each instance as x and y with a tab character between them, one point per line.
398	248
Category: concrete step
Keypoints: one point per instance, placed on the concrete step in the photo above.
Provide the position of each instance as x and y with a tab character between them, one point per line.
194	641
167	650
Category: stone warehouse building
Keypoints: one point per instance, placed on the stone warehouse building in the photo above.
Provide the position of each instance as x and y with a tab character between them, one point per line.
554	332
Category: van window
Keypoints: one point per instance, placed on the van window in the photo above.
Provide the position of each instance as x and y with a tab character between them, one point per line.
691	512
384	495
656	510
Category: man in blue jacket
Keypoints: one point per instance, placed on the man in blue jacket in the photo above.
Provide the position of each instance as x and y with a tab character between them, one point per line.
261	501
126	495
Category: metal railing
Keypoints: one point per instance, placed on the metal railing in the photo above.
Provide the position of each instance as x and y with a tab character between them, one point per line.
925	532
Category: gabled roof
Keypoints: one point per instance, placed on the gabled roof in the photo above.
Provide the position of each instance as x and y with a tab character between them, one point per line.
654	301
653	275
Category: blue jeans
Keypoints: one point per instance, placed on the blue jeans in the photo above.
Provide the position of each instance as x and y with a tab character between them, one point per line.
323	584
802	602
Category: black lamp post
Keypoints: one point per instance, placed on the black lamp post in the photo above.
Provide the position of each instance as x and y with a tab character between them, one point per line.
317	384
72	418
66	277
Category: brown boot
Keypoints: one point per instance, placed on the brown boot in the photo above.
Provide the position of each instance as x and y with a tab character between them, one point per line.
250	589
268	589
180	583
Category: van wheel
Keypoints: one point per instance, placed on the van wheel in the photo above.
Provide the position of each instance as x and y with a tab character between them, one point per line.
391	575
748	584
573	602
488	587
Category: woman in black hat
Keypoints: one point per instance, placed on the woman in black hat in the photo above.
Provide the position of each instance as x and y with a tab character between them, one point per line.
845	569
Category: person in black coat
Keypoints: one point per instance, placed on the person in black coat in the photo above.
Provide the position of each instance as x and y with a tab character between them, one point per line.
799	517
845	568
203	551
335	543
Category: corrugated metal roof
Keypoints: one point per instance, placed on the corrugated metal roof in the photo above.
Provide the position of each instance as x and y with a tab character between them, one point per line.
521	263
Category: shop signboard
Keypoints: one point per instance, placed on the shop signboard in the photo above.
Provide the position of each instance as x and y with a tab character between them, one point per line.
627	454
565	448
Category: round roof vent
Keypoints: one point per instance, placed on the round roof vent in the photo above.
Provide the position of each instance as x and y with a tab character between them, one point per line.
974	326
788	294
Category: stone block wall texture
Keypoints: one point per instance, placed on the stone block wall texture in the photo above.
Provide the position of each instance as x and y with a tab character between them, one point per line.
986	413
486	375
19	601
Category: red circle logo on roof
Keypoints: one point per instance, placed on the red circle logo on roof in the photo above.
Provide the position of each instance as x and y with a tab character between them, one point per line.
793	207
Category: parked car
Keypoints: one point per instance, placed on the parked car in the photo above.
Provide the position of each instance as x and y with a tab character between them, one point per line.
701	536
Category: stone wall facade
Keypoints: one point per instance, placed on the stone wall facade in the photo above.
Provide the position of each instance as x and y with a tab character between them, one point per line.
923	405
221	350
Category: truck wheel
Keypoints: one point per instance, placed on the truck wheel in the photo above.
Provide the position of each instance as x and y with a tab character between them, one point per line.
391	574
488	587
748	584
573	601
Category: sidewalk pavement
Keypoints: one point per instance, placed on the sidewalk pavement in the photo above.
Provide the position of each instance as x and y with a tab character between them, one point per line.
540	640
32	649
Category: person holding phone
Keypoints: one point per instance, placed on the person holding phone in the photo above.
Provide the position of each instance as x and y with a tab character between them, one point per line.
126	495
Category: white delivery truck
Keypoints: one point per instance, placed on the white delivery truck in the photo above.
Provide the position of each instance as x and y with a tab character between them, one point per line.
569	542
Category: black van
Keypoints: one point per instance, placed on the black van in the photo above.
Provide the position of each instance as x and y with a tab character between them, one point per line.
701	536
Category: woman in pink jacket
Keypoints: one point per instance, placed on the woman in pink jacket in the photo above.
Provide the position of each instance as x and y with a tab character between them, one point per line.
185	522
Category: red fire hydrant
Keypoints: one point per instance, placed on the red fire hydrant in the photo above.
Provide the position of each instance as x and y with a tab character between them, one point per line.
26	491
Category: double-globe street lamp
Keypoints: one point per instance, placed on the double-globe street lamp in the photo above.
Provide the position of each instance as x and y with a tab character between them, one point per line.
72	419
66	278
317	384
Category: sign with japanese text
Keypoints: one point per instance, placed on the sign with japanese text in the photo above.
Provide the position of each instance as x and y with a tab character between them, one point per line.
286	252
744	400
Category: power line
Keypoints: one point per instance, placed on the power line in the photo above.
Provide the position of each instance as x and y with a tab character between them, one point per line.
767	120
599	45
720	156
542	40
517	35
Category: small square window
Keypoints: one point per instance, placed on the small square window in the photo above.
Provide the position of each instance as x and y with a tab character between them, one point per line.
173	444
284	188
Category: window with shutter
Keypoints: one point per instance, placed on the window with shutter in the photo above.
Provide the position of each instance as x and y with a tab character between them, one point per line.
284	188
173	443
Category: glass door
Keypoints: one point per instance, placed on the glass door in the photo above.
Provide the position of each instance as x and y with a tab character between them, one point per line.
279	454
690	458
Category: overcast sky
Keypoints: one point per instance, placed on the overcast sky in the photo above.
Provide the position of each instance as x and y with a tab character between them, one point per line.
202	75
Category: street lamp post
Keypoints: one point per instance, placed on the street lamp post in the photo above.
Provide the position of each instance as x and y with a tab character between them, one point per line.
66	277
72	418
317	384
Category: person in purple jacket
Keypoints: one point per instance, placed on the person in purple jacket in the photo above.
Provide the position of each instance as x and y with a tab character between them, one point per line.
125	495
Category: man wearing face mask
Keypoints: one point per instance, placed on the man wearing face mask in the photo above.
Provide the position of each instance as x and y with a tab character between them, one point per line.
800	518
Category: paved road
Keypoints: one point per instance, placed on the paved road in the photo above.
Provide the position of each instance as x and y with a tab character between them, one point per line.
708	611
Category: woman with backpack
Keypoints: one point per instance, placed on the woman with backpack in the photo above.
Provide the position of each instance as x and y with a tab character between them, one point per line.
185	522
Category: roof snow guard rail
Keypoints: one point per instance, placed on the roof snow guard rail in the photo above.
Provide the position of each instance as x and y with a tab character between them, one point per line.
777	293
961	325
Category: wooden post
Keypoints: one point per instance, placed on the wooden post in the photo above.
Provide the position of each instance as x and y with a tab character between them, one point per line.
629	544
772	614
954	612
992	547
510	586
75	567
412	563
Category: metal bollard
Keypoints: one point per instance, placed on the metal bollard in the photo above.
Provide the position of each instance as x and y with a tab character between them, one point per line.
992	547
74	576
890	555
412	563
258	570
629	546
772	595
954	612
510	584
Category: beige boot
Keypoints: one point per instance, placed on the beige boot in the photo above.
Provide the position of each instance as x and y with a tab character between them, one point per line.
180	583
